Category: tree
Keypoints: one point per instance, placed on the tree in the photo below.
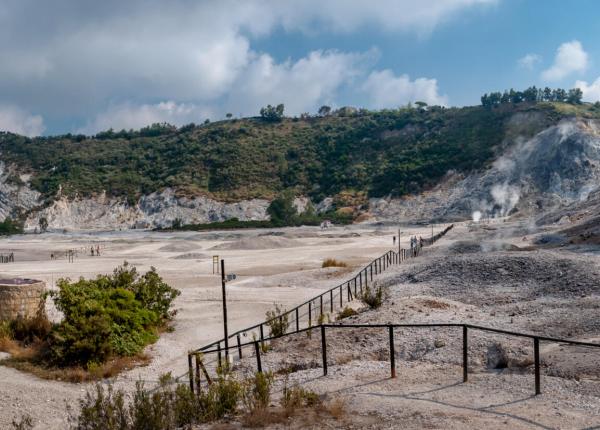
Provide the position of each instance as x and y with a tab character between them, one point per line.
272	113
574	96
324	110
530	94
559	95
282	209
43	222
547	94
228	115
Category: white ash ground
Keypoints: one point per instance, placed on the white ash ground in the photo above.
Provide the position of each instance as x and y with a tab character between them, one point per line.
551	292
270	273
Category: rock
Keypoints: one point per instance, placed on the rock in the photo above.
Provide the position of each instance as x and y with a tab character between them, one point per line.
497	356
439	343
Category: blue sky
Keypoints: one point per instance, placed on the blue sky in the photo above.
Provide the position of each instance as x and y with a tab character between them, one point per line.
85	66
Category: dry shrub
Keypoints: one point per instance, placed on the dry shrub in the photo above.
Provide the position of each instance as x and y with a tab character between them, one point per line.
345	313
336	408
434	304
332	262
278	321
264	418
374	295
343	359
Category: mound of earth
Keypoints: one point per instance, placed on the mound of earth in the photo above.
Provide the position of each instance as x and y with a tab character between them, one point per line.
482	277
190	256
179	247
261	242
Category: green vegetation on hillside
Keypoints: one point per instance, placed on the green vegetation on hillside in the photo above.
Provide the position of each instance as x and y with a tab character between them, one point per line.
371	153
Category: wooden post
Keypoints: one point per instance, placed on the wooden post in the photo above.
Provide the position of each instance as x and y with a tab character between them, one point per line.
324	350
392	351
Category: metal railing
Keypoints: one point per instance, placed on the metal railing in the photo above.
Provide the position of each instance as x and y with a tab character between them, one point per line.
537	339
303	316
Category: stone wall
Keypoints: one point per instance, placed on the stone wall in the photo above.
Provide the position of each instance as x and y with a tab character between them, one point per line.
20	297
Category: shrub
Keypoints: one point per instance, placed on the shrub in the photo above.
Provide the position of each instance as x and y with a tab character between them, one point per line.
297	397
374	296
257	391
24	423
345	313
332	262
170	406
278	321
109	316
30	330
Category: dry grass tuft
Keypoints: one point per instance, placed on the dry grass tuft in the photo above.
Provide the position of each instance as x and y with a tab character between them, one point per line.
332	262
336	408
434	304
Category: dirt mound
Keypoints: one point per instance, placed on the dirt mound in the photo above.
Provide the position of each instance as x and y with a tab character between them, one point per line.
261	242
471	247
179	247
190	256
486	277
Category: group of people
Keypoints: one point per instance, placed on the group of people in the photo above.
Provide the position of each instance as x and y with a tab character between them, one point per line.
415	245
97	254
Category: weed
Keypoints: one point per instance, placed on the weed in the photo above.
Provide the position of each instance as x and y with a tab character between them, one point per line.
278	321
257	391
24	423
332	262
374	296
345	313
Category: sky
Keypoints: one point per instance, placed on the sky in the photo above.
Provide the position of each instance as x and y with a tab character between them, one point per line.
83	66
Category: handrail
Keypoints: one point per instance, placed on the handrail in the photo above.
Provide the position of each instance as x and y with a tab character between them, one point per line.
380	265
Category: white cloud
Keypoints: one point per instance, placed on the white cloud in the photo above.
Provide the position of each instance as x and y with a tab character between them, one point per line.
388	91
18	121
591	92
570	58
72	59
529	61
130	116
301	85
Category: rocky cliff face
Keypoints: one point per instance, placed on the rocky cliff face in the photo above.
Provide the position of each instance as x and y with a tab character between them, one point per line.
556	167
154	210
15	194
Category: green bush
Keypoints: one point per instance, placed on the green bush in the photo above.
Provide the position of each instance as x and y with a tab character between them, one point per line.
278	321
108	316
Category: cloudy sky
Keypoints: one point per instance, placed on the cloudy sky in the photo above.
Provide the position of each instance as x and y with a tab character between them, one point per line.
88	65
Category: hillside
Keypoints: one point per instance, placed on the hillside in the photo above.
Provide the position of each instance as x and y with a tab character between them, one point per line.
364	154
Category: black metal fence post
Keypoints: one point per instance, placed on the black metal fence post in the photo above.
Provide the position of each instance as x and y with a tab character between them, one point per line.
297	320
392	351
191	372
309	314
536	359
197	373
331	300
371	266
239	342
219	354
324	350
257	350
321	304
465	354
341	298
262	335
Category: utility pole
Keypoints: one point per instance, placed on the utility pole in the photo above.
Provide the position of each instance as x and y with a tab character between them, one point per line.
225	333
